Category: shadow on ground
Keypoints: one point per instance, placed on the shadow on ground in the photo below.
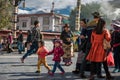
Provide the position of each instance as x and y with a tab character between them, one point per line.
45	76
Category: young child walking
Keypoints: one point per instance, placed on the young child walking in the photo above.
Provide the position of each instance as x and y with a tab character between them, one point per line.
42	52
57	54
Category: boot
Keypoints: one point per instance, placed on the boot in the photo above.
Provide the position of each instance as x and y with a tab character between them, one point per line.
91	77
100	76
109	77
76	72
82	75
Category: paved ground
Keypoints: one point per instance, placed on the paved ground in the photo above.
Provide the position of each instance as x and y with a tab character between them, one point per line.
12	69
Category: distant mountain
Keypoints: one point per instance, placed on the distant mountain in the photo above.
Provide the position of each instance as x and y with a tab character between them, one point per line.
27	9
65	11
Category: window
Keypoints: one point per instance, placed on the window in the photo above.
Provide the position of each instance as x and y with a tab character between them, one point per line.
56	21
17	27
46	21
45	28
24	24
33	19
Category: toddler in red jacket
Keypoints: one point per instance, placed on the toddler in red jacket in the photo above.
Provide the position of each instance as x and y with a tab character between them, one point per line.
57	54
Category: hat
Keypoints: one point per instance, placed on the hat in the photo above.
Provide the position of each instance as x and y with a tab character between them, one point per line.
58	41
97	14
66	25
116	23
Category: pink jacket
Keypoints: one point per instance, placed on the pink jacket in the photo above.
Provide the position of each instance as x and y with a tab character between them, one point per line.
57	53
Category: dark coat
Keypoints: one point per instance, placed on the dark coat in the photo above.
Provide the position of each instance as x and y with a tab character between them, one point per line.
20	38
36	34
64	35
115	38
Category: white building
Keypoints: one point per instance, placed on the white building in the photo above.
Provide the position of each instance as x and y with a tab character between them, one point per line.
48	21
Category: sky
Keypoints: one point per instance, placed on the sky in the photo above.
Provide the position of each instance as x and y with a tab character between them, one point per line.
47	4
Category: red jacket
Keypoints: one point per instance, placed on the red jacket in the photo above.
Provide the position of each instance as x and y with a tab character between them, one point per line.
57	53
10	39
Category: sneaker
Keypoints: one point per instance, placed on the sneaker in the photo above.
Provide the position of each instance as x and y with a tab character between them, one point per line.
62	73
22	60
49	71
37	71
51	74
115	70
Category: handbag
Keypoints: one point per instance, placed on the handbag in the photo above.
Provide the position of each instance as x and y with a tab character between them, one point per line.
110	59
106	44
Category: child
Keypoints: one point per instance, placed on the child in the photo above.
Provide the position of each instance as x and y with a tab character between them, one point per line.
58	52
42	52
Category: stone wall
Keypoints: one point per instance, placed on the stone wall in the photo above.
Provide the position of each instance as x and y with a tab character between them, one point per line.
49	44
46	35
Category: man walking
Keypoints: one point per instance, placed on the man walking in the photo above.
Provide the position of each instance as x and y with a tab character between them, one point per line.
36	36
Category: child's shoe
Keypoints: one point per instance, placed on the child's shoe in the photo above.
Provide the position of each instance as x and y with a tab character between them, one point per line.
51	74
62	73
37	71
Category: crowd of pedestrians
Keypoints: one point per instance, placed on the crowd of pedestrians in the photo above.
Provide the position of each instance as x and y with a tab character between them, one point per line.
92	50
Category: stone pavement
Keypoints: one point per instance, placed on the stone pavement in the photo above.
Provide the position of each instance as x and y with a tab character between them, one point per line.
12	69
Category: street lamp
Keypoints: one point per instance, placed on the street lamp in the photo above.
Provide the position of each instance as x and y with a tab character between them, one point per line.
15	4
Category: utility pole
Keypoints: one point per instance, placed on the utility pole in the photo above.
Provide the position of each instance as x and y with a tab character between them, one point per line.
77	21
15	4
53	17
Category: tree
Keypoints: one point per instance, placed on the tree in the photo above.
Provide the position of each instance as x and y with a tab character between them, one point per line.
72	19
89	8
5	14
86	10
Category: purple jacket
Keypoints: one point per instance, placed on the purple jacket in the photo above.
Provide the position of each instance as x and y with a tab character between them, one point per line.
57	53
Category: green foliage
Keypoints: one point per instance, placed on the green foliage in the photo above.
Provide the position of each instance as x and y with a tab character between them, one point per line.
72	19
86	10
5	14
